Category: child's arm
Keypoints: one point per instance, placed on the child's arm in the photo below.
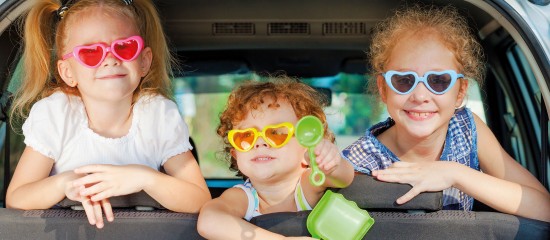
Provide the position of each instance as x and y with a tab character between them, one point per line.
31	187
181	189
504	184
222	218
184	188
338	172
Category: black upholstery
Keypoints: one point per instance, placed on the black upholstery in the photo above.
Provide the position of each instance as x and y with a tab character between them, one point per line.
368	193
371	194
378	197
194	150
365	191
70	224
163	224
139	199
442	224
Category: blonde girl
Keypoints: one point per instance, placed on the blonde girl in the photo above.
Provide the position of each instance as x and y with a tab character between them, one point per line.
98	119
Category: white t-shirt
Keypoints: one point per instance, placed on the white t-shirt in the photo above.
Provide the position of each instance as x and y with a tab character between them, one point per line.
57	127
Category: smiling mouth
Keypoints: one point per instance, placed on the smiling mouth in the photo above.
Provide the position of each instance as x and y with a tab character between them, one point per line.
419	115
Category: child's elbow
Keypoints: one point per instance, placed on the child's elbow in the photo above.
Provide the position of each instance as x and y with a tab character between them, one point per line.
348	181
206	221
190	205
10	203
344	177
203	226
201	200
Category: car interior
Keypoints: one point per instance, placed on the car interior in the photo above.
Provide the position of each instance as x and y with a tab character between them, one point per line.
220	44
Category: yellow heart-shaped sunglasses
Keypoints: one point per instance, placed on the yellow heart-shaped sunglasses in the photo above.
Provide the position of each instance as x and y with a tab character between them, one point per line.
275	135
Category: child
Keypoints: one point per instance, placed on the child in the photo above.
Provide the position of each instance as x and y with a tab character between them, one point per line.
422	58
101	123
260	119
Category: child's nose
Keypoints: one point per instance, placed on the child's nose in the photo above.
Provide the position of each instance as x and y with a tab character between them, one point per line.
420	93
261	143
111	60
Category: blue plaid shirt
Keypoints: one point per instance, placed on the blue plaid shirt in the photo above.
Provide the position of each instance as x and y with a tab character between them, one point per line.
367	153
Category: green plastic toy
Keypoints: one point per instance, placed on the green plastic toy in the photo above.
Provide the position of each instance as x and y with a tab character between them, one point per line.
309	132
336	218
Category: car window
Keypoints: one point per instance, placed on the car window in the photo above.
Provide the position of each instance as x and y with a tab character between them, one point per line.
532	97
15	141
202	98
351	111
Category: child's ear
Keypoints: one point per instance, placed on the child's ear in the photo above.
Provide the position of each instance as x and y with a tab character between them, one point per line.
381	84
305	163
66	73
461	92
146	60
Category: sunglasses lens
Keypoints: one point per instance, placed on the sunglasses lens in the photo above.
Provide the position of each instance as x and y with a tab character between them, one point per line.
402	83
277	135
91	56
126	49
439	82
243	140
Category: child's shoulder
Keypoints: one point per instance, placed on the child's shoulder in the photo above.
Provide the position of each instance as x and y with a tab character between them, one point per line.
153	103
57	98
52	121
463	118
464	112
57	104
150	110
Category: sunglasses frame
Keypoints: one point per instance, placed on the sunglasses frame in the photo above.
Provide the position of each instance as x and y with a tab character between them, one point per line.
424	79
257	134
106	49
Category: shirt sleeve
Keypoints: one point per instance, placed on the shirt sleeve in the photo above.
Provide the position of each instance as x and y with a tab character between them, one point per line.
358	155
172	130
46	128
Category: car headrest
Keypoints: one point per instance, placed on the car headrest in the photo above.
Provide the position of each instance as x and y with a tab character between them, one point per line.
139	200
370	193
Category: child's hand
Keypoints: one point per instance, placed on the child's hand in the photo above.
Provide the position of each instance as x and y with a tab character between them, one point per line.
422	176
327	156
93	209
105	181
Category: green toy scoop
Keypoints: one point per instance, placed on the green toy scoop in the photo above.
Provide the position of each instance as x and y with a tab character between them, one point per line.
309	133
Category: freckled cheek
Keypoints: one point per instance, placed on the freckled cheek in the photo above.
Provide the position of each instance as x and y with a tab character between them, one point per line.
396	103
295	149
446	100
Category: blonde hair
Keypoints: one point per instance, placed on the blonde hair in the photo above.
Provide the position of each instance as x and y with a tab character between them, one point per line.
250	96
445	23
44	43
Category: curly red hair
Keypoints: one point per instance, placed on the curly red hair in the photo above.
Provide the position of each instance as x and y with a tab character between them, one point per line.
446	23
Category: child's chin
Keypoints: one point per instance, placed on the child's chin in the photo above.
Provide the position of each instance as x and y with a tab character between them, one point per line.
266	177
421	132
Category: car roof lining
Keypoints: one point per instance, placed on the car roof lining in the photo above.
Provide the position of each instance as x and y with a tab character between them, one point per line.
303	63
315	54
194	27
306	49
